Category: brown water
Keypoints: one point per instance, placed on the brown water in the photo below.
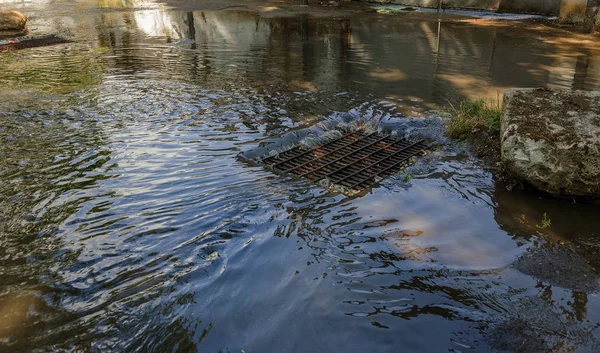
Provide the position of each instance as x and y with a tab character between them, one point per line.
128	222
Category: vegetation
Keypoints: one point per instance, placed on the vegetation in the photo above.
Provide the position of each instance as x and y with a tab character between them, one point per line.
546	222
472	116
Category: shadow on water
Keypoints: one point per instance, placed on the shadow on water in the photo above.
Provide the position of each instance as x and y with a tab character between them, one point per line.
128	222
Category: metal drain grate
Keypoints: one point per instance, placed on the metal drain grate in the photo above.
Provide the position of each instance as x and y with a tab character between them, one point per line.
354	160
30	42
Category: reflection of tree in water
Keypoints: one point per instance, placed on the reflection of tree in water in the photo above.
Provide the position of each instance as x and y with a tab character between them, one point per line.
426	61
581	77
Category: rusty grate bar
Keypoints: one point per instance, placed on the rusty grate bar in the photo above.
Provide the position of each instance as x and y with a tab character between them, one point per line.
315	148
362	148
398	163
383	172
403	150
30	42
355	160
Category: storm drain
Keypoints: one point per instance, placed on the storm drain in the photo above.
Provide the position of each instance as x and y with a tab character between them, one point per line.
31	42
355	160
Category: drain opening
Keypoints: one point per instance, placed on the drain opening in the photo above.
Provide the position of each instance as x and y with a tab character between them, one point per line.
355	160
31	42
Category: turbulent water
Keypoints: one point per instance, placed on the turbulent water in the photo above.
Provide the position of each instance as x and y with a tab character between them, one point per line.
131	221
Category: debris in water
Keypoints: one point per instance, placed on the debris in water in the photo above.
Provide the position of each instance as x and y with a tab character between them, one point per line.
31	42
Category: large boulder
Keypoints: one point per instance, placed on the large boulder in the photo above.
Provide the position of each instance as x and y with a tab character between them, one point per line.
12	21
551	139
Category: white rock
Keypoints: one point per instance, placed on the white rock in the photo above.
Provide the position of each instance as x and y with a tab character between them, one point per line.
551	139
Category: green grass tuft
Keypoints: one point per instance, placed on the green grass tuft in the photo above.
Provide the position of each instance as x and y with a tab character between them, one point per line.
546	222
472	116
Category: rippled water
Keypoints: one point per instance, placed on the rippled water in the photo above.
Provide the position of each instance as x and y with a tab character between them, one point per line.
129	221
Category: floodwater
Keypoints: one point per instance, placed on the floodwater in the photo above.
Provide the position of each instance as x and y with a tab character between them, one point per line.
129	222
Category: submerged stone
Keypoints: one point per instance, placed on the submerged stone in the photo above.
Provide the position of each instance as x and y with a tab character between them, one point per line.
551	139
559	266
532	324
12	21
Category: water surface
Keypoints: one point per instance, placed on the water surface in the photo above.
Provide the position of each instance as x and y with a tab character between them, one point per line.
128	221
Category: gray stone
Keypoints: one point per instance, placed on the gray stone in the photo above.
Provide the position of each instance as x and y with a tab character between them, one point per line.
532	324
12	21
551	139
559	266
